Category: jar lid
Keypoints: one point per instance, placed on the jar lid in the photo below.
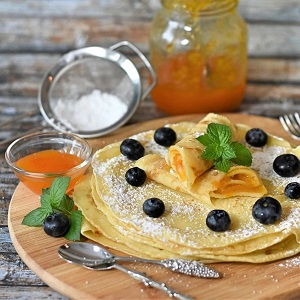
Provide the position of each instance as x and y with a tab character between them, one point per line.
93	91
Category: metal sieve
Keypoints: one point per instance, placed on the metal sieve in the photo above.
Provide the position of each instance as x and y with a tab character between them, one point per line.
70	93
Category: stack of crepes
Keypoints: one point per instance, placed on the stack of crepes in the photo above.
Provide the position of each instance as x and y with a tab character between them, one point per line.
190	188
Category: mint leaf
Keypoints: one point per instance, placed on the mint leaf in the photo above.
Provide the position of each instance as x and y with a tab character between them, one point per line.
204	139
219	133
74	232
222	165
221	150
57	190
36	217
228	152
67	203
212	152
45	199
243	154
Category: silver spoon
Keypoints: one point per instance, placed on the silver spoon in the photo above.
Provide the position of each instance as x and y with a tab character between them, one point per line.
91	255
107	264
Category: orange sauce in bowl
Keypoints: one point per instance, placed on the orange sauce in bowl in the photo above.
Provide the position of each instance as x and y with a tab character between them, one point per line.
51	163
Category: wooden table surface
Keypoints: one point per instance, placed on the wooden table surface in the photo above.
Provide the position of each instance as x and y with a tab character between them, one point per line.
34	34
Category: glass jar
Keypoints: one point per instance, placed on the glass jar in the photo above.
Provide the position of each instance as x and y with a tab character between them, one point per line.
198	49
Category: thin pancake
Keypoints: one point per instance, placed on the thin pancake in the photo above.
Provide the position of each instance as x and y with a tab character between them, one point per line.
114	216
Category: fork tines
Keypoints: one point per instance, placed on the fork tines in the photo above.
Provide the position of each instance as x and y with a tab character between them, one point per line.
291	124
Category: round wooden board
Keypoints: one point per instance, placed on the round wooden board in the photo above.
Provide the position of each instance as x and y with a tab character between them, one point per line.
278	280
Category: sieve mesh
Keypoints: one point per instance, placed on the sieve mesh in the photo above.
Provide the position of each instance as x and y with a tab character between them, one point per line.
81	80
69	90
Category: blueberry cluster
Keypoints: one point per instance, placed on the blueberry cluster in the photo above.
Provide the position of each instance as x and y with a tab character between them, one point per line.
133	150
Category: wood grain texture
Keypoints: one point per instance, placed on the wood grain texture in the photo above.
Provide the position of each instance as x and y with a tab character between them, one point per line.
58	26
256	281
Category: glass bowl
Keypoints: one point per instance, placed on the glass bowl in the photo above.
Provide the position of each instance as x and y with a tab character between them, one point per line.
38	158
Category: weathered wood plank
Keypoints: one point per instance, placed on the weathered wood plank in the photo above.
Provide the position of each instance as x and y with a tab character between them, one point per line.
79	9
272	40
254	10
270	11
274	70
45	35
23	73
15	271
4	203
271	100
273	92
29	292
5	241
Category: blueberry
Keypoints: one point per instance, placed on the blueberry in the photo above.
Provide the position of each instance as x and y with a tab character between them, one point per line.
165	136
218	220
292	190
154	207
135	176
256	137
132	149
286	165
267	210
56	224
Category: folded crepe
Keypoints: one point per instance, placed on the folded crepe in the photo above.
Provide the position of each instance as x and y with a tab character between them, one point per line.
185	156
238	181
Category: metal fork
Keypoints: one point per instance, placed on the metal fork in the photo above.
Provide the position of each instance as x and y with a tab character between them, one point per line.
291	124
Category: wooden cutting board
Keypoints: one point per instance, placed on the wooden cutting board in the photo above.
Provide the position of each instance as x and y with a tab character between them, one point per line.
240	280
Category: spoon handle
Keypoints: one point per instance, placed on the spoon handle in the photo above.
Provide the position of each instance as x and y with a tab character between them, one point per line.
152	283
190	267
187	267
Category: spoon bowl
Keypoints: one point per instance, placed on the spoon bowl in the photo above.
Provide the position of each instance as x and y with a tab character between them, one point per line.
106	261
86	253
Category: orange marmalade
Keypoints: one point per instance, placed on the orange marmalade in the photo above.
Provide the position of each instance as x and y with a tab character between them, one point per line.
52	163
199	52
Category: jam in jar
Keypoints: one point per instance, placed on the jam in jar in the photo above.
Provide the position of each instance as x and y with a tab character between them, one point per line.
198	49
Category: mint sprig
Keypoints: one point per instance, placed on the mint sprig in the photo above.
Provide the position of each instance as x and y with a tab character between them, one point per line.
221	150
54	199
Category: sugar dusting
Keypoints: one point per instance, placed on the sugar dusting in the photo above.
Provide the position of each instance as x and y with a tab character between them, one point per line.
126	202
263	161
293	262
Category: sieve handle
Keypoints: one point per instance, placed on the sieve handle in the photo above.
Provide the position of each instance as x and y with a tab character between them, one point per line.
145	61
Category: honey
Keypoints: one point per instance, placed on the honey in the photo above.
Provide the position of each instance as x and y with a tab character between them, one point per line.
199	52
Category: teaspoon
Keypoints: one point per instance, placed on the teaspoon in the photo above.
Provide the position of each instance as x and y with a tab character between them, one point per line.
107	264
92	255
